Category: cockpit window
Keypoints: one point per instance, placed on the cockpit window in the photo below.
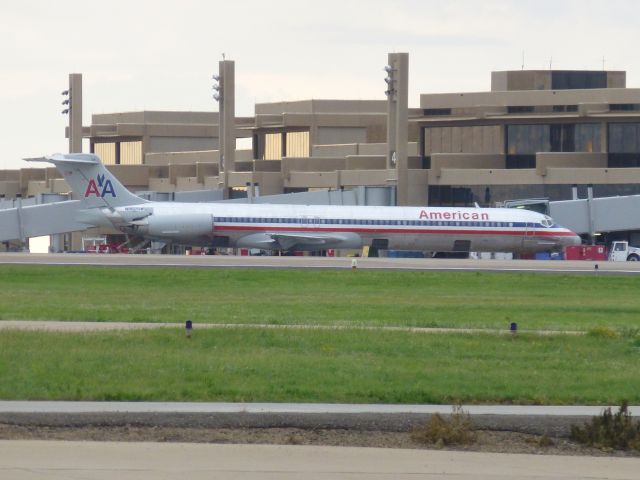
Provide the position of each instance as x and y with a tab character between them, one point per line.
547	222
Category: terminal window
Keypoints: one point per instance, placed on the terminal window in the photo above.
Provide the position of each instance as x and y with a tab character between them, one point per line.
624	137
130	153
297	144
581	137
106	152
570	137
624	145
273	146
570	80
528	139
119	153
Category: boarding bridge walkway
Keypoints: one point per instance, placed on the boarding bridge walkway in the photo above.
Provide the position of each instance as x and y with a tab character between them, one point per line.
22	221
594	215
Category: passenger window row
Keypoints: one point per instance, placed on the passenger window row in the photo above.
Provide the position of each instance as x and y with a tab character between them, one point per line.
346	221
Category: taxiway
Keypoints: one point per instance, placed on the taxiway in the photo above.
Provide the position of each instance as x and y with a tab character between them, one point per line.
31	460
230	261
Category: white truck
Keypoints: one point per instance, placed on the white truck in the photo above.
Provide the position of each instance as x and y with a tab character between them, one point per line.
621	251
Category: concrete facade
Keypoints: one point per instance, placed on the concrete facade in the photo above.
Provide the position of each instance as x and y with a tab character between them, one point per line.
535	134
526	139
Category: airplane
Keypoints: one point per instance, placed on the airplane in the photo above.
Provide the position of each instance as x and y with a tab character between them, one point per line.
106	202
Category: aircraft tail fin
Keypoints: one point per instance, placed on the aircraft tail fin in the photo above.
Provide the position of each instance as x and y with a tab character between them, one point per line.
90	180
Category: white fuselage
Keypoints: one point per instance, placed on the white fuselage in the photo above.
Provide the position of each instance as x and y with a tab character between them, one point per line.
309	227
107	202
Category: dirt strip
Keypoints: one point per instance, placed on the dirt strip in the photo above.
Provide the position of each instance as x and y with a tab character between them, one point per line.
493	433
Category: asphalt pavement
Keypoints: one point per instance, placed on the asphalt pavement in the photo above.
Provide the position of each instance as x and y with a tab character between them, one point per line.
293	408
230	261
533	419
34	460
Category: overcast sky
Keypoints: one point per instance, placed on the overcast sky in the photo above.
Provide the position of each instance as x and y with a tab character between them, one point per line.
160	55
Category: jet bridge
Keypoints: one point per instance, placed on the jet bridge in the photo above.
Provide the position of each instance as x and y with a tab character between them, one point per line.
588	216
592	215
20	222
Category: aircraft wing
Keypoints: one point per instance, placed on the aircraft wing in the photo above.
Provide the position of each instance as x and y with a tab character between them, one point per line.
288	241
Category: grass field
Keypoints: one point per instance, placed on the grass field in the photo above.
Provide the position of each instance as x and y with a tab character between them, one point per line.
249	364
319	366
336	297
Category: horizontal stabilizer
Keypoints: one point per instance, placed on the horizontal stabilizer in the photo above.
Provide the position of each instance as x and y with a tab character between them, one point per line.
80	159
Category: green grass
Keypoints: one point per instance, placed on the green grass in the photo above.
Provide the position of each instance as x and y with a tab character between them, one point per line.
333	297
236	364
319	366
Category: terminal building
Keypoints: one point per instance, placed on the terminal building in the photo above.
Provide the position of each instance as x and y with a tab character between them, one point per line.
546	134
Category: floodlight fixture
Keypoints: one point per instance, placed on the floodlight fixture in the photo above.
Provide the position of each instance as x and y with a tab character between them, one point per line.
217	95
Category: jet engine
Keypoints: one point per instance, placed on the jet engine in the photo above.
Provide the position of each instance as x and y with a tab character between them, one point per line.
174	226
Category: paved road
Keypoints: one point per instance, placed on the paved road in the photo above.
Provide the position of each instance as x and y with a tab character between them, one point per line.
555	421
34	460
292	408
322	262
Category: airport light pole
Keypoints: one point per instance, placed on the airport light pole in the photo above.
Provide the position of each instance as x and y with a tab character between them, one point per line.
72	107
224	94
217	96
72	103
397	93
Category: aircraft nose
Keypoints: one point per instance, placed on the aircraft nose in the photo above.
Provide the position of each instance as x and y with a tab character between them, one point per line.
570	240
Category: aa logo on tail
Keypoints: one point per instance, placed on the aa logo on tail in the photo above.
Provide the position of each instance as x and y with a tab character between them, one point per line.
100	189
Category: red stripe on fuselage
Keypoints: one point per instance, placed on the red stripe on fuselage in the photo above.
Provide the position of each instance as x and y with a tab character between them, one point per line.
528	233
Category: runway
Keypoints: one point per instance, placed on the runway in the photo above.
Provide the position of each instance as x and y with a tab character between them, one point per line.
230	261
31	460
56	407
